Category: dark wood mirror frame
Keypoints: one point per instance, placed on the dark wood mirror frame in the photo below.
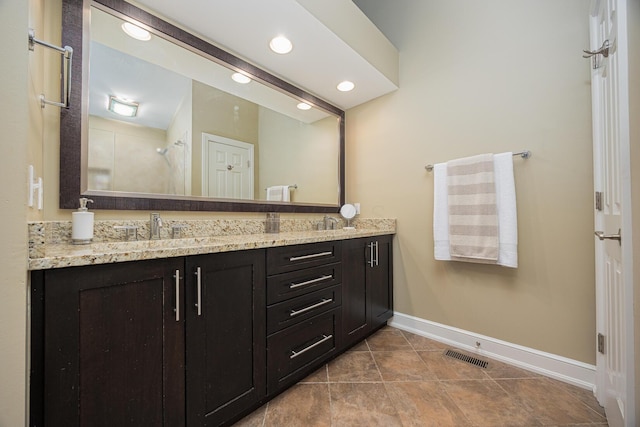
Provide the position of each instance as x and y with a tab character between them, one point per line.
73	13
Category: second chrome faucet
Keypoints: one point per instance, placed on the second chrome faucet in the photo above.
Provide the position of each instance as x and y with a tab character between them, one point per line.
155	225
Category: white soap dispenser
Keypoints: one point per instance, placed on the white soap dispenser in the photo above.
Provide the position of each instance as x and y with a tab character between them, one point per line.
82	224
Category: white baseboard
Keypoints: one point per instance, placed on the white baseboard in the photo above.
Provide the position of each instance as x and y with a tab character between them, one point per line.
561	368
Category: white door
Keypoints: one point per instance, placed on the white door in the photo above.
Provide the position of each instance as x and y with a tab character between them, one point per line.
614	281
227	168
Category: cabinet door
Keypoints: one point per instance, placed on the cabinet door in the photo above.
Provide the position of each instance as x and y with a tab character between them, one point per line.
114	345
226	335
380	280
355	308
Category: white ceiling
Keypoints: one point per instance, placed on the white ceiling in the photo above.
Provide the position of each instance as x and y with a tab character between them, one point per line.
320	58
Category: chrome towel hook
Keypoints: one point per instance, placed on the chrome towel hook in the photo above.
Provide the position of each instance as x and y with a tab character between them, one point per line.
604	51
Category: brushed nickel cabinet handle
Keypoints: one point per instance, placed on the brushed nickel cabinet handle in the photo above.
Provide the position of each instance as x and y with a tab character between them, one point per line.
309	282
295	354
325	301
177	309
298	258
198	274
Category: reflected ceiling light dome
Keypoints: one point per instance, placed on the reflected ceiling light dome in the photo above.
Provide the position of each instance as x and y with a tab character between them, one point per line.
281	45
240	78
345	86
136	32
304	106
123	108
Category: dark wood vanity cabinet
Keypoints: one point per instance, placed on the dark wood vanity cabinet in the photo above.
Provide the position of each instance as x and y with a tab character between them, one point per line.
225	335
113	345
304	313
198	340
367	286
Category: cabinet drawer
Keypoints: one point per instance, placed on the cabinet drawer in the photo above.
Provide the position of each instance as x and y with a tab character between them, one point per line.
291	258
296	283
295	351
295	310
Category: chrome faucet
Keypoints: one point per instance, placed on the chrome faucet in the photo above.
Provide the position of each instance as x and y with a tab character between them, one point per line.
155	225
330	223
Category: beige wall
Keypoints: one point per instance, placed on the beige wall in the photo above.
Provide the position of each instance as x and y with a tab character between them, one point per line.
633	23
310	152
479	77
17	88
234	118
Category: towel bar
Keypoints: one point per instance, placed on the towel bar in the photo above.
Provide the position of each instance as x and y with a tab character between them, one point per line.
524	154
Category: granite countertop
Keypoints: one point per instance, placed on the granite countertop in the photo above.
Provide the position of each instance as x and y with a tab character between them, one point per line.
67	255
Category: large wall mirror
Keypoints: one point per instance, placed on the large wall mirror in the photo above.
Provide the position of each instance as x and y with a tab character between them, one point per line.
171	122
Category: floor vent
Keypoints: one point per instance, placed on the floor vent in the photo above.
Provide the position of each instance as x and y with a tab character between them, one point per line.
469	359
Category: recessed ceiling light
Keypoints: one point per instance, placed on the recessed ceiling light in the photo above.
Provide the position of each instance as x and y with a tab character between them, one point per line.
240	78
345	86
281	45
136	32
304	106
123	108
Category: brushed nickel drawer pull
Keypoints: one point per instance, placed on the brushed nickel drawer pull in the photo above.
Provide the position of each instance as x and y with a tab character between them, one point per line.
295	354
311	307
298	258
309	282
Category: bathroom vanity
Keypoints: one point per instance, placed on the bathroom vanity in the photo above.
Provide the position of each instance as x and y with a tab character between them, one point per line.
201	338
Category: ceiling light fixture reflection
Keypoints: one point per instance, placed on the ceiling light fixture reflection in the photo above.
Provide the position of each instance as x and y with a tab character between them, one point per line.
136	32
346	86
304	106
240	78
281	45
123	108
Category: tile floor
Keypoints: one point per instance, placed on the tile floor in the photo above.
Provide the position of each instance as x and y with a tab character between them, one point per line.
396	378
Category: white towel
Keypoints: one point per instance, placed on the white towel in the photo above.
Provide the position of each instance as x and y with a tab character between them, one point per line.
279	193
507	213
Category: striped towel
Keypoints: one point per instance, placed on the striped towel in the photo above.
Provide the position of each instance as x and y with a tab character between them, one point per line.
473	213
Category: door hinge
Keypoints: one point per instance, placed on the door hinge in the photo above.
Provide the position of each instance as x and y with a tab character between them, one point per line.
601	343
598	200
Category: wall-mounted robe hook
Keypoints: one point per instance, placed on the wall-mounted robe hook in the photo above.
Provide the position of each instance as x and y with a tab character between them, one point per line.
604	51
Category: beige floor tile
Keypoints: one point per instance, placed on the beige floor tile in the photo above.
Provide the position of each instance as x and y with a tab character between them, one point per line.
319	376
396	378
305	405
447	368
388	340
362	404
422	343
551	403
354	366
402	366
499	370
360	347
486	404
584	395
424	404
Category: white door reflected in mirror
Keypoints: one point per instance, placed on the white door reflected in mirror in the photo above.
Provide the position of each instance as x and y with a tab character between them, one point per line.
348	212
